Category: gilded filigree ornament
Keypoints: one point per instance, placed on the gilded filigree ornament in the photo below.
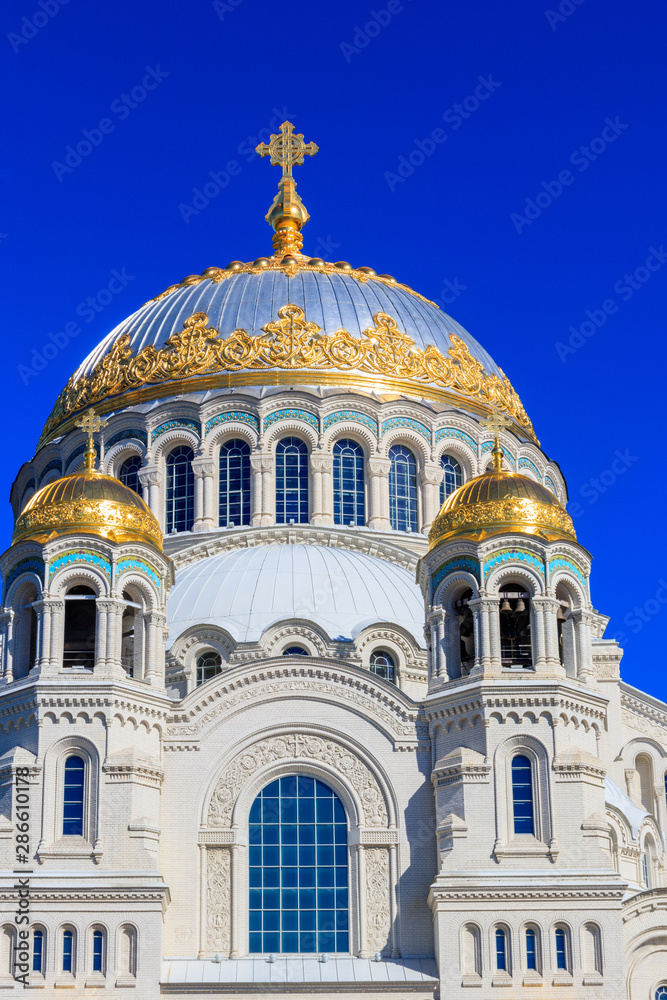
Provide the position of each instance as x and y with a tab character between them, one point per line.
289	343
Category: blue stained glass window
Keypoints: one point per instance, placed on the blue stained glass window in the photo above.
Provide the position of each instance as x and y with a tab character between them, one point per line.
129	474
68	951
291	481
402	489
501	950
561	948
234	483
98	946
522	795
531	950
298	869
348	472
661	993
180	490
37	951
73	797
452	477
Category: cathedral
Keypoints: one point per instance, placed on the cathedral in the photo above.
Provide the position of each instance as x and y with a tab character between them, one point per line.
303	690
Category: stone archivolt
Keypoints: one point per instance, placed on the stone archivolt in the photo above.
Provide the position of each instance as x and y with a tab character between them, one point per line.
290	343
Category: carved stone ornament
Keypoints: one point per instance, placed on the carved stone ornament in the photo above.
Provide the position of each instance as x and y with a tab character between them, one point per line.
218	904
302	747
378	913
291	342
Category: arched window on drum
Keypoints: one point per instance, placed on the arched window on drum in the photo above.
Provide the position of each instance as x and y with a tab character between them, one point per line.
129	474
291	481
348	475
452	477
180	490
234	495
298	875
402	489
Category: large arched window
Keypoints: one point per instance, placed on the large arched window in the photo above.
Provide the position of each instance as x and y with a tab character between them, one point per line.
348	473
180	490
522	794
402	489
452	476
234	506
129	474
298	869
73	796
291	481
80	627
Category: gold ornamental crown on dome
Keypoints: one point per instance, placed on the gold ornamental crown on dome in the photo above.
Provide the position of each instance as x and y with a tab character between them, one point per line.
88	503
291	349
501	502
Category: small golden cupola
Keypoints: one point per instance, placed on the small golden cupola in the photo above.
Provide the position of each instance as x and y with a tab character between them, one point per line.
501	502
88	503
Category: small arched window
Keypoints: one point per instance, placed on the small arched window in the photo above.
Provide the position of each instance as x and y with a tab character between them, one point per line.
644	768
129	474
38	952
592	948
349	491
127	955
180	490
532	957
452	477
648	862
382	664
402	489
291	481
661	992
522	795
562	950
98	951
208	665
234	493
295	651
502	956
80	628
471	951
7	940
73	796
68	957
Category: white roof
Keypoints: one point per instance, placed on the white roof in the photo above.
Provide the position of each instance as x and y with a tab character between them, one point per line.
615	796
300	969
247	590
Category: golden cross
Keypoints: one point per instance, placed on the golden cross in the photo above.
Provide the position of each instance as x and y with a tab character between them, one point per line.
496	423
90	423
286	149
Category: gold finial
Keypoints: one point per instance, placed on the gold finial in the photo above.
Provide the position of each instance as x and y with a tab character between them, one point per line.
287	213
90	424
496	423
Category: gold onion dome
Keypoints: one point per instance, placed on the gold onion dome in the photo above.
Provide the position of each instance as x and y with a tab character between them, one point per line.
88	503
501	502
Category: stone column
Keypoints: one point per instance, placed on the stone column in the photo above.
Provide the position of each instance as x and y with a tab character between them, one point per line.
52	642
155	652
439	665
583	621
321	470
108	646
101	632
263	513
203	469
6	637
378	473
430	478
151	479
487	634
548	608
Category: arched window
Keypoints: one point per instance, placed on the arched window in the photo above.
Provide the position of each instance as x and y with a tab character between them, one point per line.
471	951
522	795
98	951
298	869
38	951
180	490
592	948
644	768
532	958
502	957
648	862
291	481
25	629
382	664
515	634
295	651
208	665
80	627
348	474
126	962
465	622
7	942
68	957
562	950
452	477
133	634
661	992
129	474
73	796
402	489
234	494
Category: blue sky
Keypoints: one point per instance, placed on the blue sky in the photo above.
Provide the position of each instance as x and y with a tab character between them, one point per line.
507	160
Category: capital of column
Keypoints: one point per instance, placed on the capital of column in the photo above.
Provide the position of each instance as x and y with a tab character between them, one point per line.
203	467
430	475
150	475
379	466
261	463
321	462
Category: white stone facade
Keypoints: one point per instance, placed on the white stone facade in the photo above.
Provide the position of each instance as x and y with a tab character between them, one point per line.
422	765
